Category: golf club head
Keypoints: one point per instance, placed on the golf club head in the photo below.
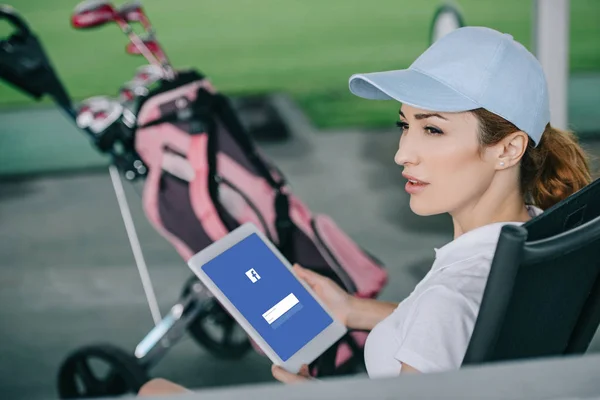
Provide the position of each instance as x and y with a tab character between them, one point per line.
126	94
149	73
25	65
150	43
98	113
111	125
144	78
92	14
108	120
131	90
133	11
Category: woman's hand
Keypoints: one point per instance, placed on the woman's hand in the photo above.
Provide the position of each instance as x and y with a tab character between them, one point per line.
287	377
335	298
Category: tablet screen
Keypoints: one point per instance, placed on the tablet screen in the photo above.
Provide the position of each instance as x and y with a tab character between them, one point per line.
266	293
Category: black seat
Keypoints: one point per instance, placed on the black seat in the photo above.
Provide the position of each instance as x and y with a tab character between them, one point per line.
542	297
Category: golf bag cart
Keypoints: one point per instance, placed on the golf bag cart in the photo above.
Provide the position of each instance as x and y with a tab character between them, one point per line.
203	176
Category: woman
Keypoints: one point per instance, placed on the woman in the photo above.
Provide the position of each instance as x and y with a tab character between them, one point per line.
476	142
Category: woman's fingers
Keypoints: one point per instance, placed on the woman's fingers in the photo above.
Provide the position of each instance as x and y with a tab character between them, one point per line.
298	269
304	371
312	278
287	377
160	386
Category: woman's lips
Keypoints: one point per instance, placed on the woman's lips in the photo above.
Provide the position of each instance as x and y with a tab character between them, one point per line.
414	185
414	188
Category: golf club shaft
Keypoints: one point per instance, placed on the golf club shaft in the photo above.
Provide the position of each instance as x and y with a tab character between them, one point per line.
138	42
146	24
161	54
160	59
151	34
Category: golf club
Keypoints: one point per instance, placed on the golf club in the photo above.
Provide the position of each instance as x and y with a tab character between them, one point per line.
133	11
94	13
130	91
151	44
111	125
148	73
140	85
98	113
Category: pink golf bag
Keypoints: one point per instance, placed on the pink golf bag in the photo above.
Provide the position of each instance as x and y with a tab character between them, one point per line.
206	177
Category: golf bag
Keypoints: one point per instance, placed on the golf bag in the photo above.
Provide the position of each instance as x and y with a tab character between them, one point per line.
206	178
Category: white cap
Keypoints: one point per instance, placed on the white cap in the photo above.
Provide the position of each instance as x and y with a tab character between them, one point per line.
469	68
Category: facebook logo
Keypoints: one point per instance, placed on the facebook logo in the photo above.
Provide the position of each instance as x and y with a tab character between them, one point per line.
253	275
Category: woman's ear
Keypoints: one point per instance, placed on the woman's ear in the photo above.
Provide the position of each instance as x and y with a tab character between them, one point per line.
511	149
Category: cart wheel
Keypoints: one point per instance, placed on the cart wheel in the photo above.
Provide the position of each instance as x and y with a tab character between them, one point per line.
215	329
100	371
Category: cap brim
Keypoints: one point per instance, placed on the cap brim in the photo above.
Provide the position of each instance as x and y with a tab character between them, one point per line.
412	88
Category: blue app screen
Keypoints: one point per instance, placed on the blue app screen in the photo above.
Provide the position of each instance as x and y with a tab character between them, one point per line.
268	295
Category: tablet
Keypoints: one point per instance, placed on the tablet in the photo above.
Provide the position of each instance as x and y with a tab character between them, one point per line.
256	285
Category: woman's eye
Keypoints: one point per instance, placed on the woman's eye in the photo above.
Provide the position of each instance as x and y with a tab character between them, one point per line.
433	131
402	125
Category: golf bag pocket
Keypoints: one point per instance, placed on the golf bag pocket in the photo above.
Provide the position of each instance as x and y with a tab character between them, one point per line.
361	270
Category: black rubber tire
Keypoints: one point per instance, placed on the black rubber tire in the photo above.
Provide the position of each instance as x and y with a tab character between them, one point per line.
125	375
219	347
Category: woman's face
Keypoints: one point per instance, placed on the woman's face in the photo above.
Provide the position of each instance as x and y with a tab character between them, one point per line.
440	151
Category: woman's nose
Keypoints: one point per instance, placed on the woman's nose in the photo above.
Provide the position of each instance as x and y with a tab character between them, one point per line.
406	153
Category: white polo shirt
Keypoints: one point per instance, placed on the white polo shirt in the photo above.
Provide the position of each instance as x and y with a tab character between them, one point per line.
430	329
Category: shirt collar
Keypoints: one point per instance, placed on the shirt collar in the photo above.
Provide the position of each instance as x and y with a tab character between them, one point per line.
481	240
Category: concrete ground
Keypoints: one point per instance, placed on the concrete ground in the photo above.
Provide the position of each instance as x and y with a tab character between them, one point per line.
68	278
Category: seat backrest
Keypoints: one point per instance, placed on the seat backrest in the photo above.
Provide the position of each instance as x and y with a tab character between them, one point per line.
542	297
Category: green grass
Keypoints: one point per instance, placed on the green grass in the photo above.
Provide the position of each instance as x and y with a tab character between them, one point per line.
307	48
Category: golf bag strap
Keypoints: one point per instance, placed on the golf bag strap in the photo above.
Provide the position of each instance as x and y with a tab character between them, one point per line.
232	122
167	118
283	223
284	226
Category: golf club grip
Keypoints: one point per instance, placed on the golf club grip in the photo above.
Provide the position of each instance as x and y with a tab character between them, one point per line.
8	13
